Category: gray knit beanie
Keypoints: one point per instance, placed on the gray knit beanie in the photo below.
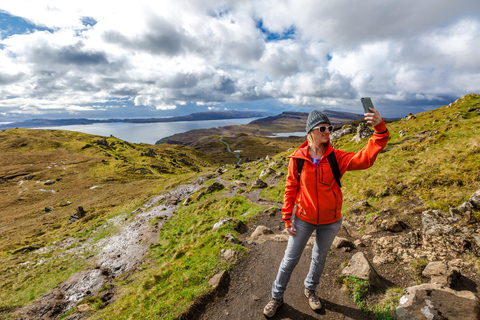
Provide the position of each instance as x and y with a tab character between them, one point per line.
315	117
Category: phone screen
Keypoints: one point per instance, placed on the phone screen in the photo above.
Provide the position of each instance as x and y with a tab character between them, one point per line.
367	103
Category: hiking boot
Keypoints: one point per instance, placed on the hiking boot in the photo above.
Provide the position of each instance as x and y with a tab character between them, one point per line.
313	299
272	307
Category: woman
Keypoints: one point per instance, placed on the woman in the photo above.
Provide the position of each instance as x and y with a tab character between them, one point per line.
319	200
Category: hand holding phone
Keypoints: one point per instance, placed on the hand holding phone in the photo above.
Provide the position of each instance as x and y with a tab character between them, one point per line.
367	103
374	117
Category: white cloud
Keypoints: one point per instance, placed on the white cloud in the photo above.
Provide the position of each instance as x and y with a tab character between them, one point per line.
165	54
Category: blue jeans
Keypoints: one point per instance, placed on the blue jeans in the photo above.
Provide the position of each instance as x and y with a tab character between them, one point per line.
325	234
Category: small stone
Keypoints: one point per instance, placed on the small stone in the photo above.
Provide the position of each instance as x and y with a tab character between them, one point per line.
218	279
228	254
84	308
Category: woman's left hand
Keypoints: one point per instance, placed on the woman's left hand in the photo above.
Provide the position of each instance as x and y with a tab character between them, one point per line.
373	118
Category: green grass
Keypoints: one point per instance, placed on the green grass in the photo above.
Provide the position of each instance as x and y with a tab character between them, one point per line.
439	169
384	309
181	263
125	179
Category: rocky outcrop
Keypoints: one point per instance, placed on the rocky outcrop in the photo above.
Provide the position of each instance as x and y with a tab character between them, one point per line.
441	237
363	131
434	301
102	142
346	129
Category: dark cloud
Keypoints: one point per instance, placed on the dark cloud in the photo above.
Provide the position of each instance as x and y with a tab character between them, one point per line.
9	79
159	38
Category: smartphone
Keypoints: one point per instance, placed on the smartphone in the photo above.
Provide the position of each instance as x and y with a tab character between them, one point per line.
367	103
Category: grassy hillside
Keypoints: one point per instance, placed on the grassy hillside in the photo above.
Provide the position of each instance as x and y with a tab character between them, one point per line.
46	174
431	161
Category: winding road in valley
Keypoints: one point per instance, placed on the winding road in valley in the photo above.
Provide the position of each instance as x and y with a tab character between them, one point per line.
230	150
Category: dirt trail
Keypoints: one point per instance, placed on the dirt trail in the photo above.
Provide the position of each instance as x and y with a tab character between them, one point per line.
249	284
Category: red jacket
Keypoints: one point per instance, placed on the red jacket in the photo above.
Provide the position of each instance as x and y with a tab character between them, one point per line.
318	197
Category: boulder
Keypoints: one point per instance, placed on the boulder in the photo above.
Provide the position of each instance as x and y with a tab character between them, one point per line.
259	184
434	301
218	279
79	215
339	242
214	187
439	272
402	132
266	172
260	231
360	267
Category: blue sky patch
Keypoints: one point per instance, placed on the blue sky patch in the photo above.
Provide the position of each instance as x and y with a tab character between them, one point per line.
10	25
88	21
271	36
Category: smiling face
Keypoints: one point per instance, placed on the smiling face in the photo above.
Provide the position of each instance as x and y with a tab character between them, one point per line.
320	137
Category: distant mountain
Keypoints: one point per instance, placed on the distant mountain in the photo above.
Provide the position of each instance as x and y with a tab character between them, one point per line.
288	117
285	122
198	116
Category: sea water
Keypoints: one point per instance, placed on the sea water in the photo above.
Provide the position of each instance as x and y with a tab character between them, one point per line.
148	132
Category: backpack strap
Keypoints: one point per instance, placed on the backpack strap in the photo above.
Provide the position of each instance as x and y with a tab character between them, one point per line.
332	160
299	167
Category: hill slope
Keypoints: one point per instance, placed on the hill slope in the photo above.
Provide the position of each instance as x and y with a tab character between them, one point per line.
431	162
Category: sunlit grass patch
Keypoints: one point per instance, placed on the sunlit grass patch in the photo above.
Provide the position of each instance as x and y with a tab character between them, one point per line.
185	258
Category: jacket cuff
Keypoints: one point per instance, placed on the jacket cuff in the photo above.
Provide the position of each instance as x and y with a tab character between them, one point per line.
288	223
381	127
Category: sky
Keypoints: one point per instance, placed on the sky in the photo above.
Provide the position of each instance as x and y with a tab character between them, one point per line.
126	59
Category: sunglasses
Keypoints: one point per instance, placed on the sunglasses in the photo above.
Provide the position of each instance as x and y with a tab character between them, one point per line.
324	128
